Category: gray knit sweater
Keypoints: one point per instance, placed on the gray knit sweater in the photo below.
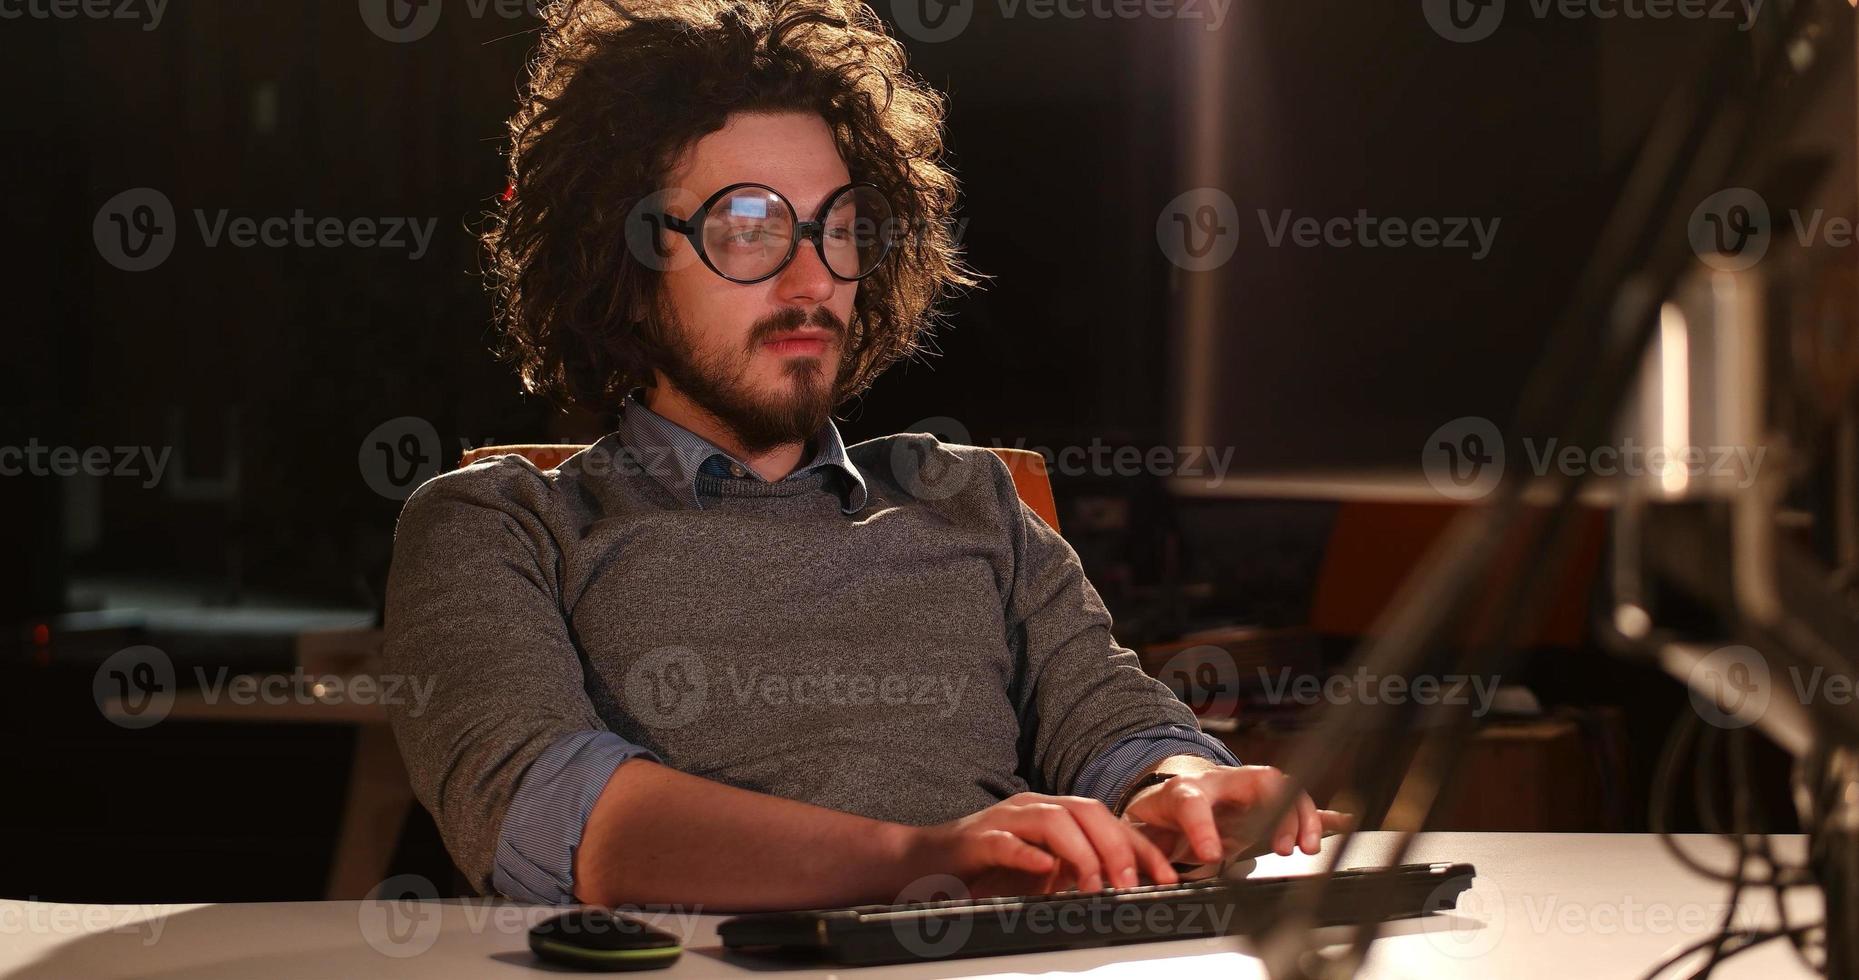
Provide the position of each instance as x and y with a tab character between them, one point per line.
920	659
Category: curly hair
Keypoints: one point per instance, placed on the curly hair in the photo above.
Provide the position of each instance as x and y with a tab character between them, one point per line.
617	93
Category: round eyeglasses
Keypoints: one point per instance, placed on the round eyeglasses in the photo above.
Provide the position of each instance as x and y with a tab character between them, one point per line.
748	233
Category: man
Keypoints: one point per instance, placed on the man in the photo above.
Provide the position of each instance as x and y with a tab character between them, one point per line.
719	657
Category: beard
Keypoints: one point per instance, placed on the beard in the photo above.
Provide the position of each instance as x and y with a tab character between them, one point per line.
717	380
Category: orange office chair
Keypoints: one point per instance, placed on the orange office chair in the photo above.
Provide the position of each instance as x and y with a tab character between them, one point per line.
1028	468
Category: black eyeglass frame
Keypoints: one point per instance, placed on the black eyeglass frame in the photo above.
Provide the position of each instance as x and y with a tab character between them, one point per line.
692	230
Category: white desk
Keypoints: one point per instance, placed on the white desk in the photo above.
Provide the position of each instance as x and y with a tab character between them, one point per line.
1544	905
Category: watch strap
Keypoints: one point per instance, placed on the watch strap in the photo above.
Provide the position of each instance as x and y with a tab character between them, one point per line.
1138	786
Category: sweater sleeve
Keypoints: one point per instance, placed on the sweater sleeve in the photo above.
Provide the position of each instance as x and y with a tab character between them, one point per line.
474	609
1078	693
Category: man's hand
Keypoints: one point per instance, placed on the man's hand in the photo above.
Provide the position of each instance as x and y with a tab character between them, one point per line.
1035	844
1199	814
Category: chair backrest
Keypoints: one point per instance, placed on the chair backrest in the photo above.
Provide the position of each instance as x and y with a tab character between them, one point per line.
1030	479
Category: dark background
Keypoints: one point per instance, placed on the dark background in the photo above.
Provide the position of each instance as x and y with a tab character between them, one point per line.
265	369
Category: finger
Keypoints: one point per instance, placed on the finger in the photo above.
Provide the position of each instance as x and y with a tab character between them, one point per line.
1285	836
1054	828
1149	855
1001	849
1167	840
1336	822
1309	827
1193	814
1109	836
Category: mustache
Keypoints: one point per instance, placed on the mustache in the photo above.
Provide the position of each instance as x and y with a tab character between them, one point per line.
794	318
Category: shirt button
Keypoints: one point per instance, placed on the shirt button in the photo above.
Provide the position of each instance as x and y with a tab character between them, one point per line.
736	471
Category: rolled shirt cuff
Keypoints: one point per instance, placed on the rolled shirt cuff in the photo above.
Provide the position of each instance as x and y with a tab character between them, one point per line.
1106	777
542	827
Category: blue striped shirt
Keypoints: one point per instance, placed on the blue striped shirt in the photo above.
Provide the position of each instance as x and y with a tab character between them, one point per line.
542	827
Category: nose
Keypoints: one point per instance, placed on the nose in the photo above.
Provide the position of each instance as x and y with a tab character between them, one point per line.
806	281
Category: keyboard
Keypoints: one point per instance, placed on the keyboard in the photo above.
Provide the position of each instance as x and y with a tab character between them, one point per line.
878	934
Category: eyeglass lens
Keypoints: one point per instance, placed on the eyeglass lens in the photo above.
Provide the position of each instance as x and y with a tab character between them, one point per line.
748	232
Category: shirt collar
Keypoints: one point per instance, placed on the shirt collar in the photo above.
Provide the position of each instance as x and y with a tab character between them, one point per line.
674	455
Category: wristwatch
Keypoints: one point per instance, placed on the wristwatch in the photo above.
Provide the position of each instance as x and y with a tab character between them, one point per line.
1142	784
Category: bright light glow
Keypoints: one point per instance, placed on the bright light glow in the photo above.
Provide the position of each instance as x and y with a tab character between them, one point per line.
1675	389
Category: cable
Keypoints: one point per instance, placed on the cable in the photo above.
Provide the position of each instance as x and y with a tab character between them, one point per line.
1702	796
1751	939
1759	818
1749	839
1702	139
1740	830
1659	808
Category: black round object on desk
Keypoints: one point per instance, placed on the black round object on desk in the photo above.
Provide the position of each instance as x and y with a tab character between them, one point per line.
597	939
